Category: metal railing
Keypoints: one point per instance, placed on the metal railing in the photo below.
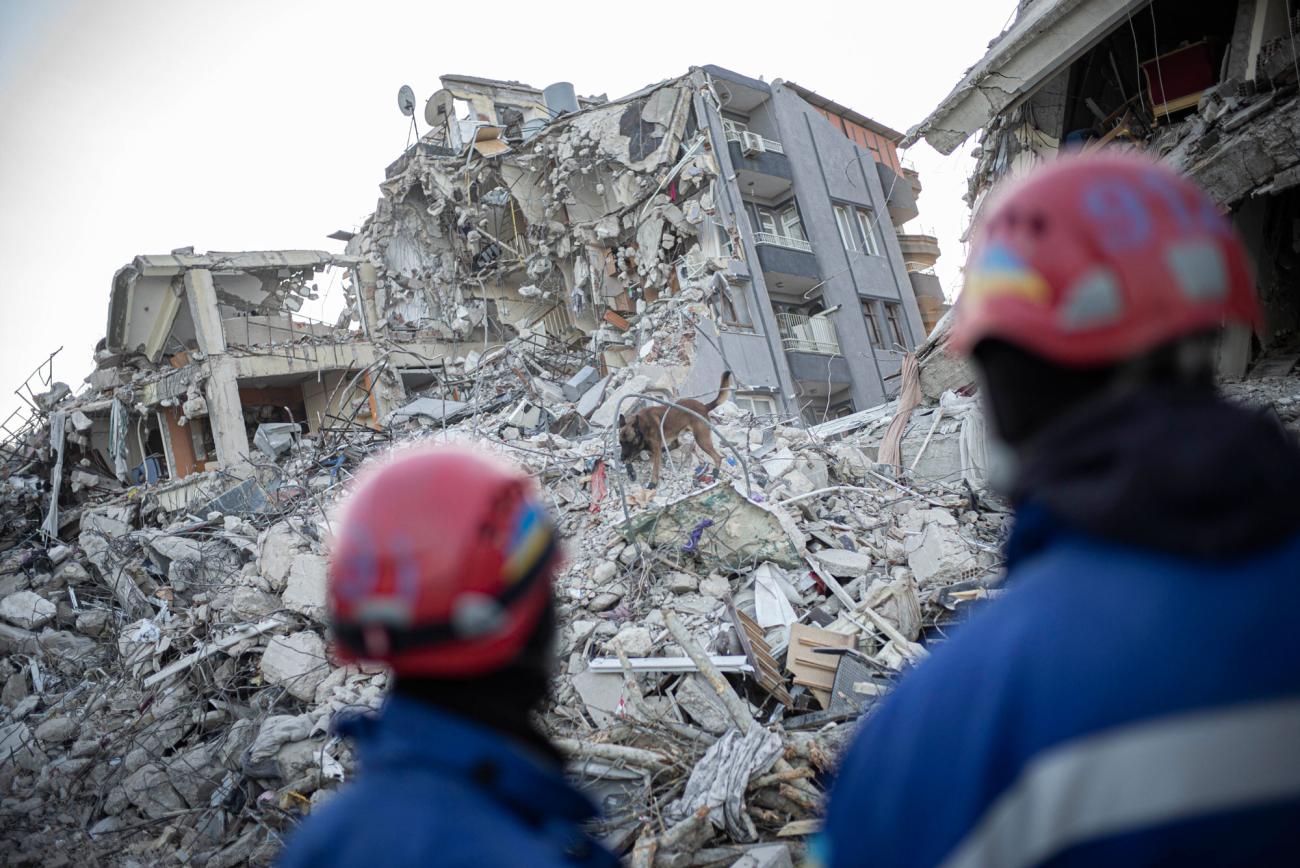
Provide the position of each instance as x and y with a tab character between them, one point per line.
782	241
735	134
808	334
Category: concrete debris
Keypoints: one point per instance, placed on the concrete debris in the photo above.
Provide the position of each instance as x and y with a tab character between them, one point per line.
297	662
28	610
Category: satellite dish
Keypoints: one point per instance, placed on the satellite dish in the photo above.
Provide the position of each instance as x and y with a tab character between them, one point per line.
406	100
438	108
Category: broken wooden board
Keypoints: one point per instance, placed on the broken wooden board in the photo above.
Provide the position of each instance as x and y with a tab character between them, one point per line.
812	670
753	640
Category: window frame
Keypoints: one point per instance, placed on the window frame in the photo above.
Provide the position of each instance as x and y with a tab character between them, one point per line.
734	313
752	398
844	222
867	226
790	216
875	336
894	320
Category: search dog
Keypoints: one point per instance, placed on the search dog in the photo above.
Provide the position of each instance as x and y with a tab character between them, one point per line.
653	427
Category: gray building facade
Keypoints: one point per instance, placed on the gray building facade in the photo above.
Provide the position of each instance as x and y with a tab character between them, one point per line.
820	319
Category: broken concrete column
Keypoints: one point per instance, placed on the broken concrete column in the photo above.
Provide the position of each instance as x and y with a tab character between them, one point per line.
201	294
369	278
226	413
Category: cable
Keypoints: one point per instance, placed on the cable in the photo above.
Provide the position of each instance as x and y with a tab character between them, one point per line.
1290	27
1155	42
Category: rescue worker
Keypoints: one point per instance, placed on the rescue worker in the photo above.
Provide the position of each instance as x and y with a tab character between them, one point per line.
442	569
1134	697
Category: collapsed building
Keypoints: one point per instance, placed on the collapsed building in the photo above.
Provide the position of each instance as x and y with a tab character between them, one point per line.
536	264
1210	88
771	206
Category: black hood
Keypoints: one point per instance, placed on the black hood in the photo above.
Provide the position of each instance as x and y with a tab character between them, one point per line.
1175	469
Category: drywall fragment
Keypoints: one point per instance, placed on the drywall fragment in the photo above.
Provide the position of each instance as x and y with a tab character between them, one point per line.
772	606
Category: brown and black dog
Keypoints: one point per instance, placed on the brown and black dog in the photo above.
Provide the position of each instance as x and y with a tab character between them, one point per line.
652	427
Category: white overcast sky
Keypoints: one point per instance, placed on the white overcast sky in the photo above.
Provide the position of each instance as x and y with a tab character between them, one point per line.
139	127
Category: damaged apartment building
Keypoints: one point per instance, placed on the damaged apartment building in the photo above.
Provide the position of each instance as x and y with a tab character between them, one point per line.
1210	88
769	214
773	207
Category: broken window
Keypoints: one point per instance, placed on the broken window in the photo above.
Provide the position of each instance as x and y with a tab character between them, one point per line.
867	223
756	403
734	307
894	316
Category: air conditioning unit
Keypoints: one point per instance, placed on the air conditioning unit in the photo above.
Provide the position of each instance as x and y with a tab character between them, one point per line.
751	144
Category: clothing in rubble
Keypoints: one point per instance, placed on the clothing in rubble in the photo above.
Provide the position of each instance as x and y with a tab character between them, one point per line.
1134	698
437	789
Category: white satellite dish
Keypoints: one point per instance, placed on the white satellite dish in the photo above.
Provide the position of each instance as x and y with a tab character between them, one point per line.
406	100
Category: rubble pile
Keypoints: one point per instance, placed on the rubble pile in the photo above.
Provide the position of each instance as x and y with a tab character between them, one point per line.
167	685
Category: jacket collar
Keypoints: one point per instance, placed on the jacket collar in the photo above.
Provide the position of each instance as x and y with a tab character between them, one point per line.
407	733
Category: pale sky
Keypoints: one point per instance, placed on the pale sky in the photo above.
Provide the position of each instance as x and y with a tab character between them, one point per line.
133	127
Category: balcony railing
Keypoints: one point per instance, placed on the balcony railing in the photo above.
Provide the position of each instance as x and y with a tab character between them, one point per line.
808	334
736	134
782	241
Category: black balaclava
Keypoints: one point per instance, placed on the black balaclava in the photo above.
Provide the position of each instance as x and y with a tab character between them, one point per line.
1025	394
503	699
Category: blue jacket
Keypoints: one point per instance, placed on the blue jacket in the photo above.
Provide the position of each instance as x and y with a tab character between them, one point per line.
435	789
1117	705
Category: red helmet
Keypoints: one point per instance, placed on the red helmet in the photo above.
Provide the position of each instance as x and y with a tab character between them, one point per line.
1099	258
442	565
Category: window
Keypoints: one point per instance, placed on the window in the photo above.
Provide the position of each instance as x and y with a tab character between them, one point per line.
845	224
867	223
756	403
767	220
894	316
734	306
873	325
508	114
792	224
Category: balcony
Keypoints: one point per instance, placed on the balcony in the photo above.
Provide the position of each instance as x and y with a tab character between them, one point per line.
762	168
751	142
782	241
807	334
900	197
920	249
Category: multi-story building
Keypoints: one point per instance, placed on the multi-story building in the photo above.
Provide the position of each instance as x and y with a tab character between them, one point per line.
815	192
1210	88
